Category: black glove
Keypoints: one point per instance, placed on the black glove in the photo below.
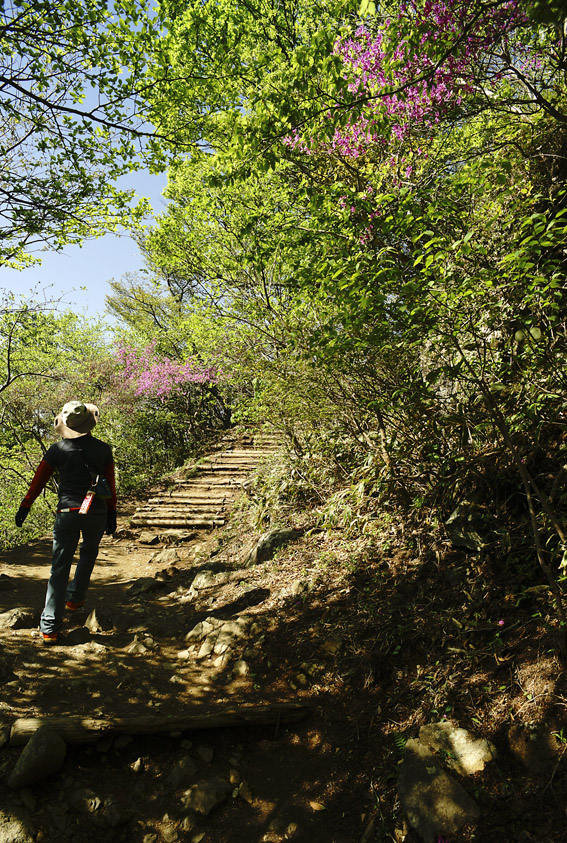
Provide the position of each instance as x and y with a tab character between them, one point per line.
110	522
21	515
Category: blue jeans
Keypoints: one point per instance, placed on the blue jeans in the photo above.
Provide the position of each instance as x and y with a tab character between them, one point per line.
66	534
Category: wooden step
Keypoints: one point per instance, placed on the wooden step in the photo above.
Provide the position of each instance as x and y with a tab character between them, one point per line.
188	500
222	512
203	483
227	468
177	521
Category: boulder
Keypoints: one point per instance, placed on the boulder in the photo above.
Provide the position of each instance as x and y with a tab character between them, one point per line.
433	802
269	543
42	756
167	556
206	795
19	618
148	538
144	585
465	754
95	622
182	772
535	747
469	527
15	827
7	583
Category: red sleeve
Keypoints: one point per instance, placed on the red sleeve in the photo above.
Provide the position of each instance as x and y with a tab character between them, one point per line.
109	474
40	478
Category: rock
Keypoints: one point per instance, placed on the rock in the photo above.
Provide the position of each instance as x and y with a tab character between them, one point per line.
206	795
5	729
188	823
166	575
299	587
137	648
217	636
19	618
332	644
42	756
96	623
148	538
182	772
15	829
202	629
123	741
466	754
123	534
169	834
113	814
433	801
206	648
268	544
245	792
80	635
91	648
104	744
535	747
138	766
28	800
85	800
205	753
204	579
241	668
144	585
235	777
7	583
167	556
177	536
469	527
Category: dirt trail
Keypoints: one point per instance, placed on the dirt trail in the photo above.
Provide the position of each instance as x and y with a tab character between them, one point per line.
144	604
173	621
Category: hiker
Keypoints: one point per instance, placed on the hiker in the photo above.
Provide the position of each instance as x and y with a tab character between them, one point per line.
81	461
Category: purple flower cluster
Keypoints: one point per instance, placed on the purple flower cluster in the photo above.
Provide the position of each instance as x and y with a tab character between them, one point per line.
416	69
156	376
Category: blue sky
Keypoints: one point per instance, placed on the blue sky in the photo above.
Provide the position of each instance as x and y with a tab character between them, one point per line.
91	266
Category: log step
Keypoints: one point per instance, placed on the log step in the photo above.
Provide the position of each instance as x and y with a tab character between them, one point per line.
180	512
223	467
75	729
189	501
194	524
200	483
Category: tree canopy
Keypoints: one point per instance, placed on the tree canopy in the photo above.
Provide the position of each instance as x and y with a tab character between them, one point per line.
364	241
74	79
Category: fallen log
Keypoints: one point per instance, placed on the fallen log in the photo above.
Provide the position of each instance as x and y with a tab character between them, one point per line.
75	729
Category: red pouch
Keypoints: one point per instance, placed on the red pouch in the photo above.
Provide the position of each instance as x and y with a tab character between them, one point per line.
86	504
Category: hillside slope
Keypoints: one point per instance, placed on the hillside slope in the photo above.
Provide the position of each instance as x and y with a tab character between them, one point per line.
376	639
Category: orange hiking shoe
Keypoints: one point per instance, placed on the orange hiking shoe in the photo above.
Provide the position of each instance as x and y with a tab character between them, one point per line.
49	637
72	606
